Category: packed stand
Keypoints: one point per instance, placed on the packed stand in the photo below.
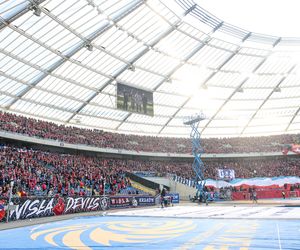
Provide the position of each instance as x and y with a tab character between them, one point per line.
36	172
48	130
244	168
41	173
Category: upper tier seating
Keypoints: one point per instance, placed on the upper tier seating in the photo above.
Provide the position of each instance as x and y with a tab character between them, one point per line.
99	138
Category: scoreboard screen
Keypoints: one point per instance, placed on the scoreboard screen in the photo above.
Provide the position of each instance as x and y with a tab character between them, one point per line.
134	99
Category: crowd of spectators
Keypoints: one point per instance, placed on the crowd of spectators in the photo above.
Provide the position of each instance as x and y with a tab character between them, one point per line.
41	173
98	138
243	168
37	172
262	167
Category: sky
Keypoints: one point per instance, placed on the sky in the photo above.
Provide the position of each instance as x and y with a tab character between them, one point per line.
272	17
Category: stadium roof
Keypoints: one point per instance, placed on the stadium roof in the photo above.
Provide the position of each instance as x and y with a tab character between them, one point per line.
61	60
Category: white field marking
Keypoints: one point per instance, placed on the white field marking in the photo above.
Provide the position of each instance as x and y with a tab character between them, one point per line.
278	234
217	212
35	228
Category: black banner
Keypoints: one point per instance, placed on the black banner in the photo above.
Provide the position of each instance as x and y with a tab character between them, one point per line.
120	201
131	201
27	208
145	200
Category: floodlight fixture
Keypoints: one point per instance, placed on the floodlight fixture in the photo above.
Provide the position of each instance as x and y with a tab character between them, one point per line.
169	80
131	67
240	90
36	10
89	47
277	89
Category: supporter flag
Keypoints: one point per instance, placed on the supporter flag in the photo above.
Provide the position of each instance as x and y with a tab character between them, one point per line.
293	147
2	209
296	148
59	208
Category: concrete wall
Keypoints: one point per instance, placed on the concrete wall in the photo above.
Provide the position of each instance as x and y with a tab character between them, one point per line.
183	190
175	187
160	180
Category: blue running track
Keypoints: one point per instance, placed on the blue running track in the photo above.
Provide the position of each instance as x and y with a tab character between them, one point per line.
155	233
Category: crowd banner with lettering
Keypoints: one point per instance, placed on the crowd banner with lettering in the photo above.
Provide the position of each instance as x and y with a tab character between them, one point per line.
25	208
120	201
131	201
145	200
34	207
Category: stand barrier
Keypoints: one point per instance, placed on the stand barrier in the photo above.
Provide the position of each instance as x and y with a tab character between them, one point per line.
265	194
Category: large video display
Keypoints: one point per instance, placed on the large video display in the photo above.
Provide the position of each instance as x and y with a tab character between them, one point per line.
134	100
